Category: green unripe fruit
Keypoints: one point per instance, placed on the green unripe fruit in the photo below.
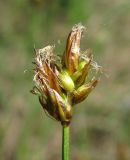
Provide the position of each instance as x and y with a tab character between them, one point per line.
82	64
78	73
67	81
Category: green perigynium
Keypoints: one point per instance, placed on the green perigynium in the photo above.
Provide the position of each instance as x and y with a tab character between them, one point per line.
60	83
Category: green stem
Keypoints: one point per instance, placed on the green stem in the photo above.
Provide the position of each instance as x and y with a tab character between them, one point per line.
65	143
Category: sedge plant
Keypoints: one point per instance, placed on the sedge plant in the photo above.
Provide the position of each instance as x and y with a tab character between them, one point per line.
61	82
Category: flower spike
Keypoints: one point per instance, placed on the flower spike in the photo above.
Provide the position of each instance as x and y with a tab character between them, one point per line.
62	82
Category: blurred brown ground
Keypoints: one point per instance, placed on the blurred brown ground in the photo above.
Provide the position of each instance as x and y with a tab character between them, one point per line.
101	125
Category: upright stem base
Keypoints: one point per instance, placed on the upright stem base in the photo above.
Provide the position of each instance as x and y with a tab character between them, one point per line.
65	143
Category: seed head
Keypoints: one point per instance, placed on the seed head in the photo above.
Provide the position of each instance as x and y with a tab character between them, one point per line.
60	83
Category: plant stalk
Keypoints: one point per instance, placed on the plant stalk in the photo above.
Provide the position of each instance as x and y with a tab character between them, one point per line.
65	143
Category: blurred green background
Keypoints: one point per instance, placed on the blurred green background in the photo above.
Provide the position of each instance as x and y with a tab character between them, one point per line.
100	129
